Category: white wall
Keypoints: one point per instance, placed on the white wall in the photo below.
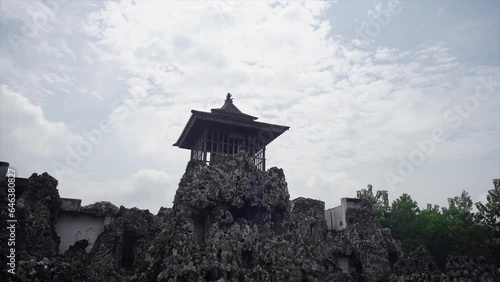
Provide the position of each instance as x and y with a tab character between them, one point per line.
335	218
72	228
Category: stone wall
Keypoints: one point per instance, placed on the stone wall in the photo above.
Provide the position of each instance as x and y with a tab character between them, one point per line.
466	269
36	211
229	222
232	222
70	205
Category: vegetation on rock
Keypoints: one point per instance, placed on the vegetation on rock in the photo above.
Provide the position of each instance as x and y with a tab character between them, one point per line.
233	222
453	231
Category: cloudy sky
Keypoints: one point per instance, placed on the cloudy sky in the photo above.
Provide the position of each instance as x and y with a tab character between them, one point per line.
400	95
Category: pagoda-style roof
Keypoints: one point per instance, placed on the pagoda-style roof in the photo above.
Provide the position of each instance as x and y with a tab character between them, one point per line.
230	116
230	110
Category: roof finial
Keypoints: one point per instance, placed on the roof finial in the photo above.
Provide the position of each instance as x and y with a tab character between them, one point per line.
228	98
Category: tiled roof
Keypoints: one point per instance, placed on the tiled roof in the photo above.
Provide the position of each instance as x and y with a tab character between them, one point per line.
230	109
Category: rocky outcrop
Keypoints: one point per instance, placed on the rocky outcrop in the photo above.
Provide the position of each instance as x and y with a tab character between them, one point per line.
469	269
226	223
119	252
370	248
100	208
37	210
419	265
229	222
232	222
164	214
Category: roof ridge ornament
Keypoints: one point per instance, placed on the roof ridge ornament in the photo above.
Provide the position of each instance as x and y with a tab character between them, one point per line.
229	98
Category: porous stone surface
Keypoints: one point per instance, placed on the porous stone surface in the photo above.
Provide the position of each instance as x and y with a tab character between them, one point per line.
37	210
226	221
419	265
120	249
116	253
232	222
469	269
164	214
371	249
100	208
36	241
229	222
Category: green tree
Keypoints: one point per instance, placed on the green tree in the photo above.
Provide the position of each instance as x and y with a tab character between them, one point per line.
489	214
462	202
468	237
379	201
433	232
402	220
454	230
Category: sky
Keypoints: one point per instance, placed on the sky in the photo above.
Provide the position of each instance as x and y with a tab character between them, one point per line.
402	95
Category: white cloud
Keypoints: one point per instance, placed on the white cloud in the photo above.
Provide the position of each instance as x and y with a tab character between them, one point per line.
353	110
283	66
25	128
145	189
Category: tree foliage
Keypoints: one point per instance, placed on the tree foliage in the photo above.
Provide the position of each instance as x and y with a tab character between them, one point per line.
453	230
489	213
462	202
402	220
379	201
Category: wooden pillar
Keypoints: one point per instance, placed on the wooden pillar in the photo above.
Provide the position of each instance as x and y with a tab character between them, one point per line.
264	159
204	144
213	143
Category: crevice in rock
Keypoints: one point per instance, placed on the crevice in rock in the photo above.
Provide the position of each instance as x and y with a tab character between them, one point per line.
358	267
129	249
277	220
393	258
247	258
313	228
249	213
199	222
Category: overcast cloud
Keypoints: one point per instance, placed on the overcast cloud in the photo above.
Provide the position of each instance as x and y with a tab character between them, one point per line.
403	95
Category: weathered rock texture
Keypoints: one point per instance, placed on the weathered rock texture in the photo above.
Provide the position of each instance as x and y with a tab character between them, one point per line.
232	222
36	210
120	250
419	265
226	221
100	208
371	249
468	269
229	222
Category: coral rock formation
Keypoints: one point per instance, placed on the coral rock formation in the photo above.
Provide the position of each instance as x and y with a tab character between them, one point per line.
229	222
233	222
419	265
461	268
